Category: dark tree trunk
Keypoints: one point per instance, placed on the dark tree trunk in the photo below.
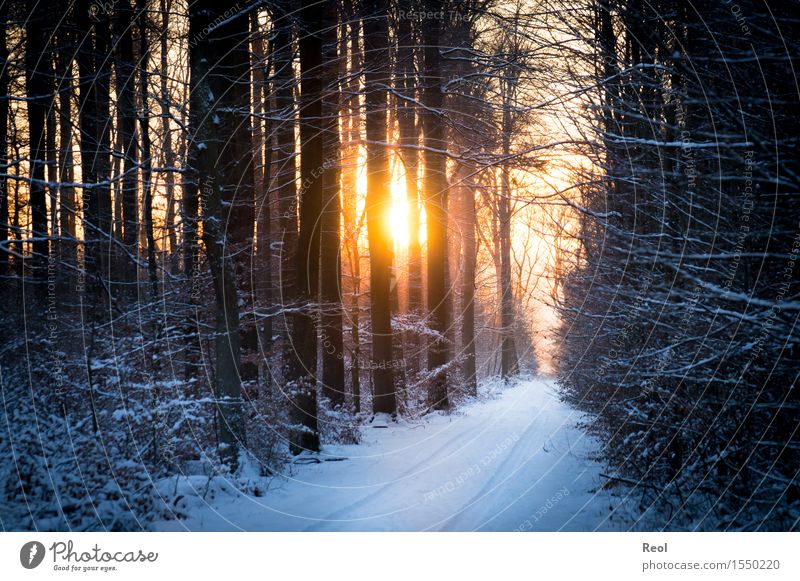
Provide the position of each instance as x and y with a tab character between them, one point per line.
233	65
116	195
207	85
16	225
469	250
262	175
190	212
408	137
66	171
147	163
351	104
4	214
330	243
376	61
93	102
126	106
301	367
50	148
436	190
37	89
190	206
165	7
508	349
285	170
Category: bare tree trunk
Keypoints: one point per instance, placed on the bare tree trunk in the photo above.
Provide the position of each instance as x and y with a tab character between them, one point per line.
469	250
50	149
4	214
116	192
508	350
350	104
207	84
93	102
165	7
302	366
237	153
102	79
436	190
408	137
16	226
126	106
37	88
330	257
66	171
262	176
376	60
285	166
190	206
190	186
237	164
147	163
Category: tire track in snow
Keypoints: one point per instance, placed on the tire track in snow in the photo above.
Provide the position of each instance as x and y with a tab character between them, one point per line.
519	405
381	493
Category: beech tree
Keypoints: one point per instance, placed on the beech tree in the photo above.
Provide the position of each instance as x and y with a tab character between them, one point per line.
436	195
209	83
330	242
376	51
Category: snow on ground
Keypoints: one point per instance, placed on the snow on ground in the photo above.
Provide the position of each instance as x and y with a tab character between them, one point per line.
512	462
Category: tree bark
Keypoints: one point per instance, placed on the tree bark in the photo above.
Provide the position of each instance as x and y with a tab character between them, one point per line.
4	214
302	366
165	7
376	59
37	88
50	147
66	171
262	174
469	250
508	350
436	192
408	138
93	102
207	85
126	105
285	166
147	163
351	104
330	243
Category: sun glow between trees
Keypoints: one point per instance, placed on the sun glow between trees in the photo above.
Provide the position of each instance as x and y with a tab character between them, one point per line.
398	215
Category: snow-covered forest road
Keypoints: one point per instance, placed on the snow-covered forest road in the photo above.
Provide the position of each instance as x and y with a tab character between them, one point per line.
513	461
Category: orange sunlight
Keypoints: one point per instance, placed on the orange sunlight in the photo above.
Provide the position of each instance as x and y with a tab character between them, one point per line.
398	213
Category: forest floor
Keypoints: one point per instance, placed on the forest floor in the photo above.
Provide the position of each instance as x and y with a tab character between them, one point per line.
513	459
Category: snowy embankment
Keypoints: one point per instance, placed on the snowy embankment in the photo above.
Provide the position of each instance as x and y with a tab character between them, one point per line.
512	461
